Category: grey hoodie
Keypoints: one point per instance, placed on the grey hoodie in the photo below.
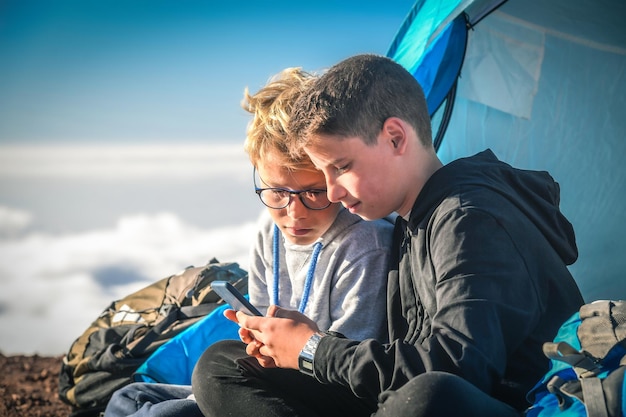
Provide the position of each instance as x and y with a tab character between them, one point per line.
348	294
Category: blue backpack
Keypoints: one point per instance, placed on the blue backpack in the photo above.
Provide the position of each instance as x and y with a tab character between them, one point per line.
173	362
587	364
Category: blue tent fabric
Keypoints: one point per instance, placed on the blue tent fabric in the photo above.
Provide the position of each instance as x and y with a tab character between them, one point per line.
543	84
173	362
441	63
434	64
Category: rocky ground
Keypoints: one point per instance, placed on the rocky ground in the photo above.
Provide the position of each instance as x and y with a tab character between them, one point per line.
28	386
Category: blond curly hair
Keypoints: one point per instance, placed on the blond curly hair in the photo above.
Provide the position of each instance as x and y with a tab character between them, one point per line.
271	108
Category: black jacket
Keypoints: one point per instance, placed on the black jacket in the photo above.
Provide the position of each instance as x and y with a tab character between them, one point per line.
479	284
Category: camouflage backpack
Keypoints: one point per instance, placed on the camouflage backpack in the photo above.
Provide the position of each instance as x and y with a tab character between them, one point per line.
104	358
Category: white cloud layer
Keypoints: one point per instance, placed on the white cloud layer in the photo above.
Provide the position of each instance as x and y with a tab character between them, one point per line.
83	225
13	221
120	162
53	287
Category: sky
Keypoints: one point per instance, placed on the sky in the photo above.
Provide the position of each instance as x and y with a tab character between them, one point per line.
121	136
77	71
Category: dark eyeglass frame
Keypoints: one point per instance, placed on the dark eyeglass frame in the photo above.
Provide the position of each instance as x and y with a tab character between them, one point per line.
292	193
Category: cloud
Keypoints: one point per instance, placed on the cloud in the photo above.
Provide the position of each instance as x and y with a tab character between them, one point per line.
54	286
122	162
13	221
68	245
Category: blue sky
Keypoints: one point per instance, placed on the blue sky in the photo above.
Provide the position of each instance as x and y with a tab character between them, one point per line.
148	71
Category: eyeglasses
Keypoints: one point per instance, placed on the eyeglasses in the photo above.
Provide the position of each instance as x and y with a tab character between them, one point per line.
279	198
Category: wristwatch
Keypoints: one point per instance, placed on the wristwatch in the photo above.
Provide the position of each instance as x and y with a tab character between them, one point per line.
305	360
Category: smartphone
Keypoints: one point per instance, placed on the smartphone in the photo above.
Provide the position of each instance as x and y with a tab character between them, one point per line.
233	297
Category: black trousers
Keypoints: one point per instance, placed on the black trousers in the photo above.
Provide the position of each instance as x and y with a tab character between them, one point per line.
227	382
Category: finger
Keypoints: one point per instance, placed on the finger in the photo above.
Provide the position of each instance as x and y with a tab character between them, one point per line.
284	313
264	350
245	335
266	362
231	315
253	350
242	319
251	323
272	310
245	338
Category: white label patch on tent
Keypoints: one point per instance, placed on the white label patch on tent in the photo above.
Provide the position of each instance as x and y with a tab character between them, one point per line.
503	64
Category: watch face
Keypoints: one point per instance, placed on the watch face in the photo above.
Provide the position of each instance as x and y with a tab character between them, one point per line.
305	366
305	360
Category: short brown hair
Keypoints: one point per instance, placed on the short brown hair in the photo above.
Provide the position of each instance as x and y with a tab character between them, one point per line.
355	97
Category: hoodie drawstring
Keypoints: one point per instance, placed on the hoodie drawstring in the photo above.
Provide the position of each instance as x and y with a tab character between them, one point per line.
317	247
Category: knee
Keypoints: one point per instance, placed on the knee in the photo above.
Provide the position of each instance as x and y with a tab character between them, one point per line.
435	394
129	392
429	394
435	387
211	360
438	383
216	362
124	401
215	367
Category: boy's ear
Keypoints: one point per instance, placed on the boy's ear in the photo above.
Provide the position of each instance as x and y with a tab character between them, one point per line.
394	132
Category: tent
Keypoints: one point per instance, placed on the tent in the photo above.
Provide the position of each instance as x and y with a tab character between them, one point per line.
543	84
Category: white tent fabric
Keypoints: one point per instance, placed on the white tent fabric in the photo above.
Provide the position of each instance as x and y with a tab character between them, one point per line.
543	84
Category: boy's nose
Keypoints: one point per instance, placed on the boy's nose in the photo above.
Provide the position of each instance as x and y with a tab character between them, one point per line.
334	191
296	208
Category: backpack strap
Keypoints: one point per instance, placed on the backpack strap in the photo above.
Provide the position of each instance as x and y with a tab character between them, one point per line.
172	314
594	397
583	364
586	369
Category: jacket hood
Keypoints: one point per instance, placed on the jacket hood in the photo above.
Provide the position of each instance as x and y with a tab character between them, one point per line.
535	193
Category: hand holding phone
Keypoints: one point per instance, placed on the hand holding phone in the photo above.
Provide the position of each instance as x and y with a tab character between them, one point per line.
233	297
